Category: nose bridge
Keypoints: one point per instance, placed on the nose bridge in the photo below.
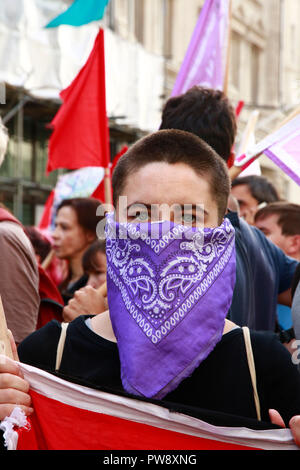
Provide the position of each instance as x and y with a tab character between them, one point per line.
56	232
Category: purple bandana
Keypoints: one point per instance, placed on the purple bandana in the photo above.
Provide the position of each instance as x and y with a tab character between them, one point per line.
169	291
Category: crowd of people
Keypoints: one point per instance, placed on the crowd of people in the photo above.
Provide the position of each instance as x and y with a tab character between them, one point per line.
238	260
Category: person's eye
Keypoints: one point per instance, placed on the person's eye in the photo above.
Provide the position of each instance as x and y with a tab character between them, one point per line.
138	215
142	217
188	218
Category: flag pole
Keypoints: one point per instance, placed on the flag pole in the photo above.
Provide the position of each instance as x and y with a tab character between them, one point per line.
107	186
5	347
107	170
235	171
226	76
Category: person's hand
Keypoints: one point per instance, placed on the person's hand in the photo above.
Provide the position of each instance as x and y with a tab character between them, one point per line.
86	301
294	424
13	388
290	346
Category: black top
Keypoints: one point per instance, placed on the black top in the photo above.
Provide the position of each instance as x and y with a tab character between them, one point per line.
221	383
68	292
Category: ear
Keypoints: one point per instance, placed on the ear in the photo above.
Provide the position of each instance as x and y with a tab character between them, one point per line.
90	237
230	161
294	246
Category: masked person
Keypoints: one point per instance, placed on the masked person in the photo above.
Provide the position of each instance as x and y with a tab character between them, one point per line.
165	335
264	272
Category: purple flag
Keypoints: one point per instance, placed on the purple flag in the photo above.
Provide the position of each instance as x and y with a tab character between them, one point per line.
205	60
286	154
282	147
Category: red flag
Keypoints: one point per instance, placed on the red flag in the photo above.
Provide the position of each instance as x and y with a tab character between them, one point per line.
81	137
239	108
46	216
68	416
99	192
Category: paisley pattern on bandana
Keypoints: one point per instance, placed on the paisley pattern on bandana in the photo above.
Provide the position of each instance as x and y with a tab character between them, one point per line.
160	282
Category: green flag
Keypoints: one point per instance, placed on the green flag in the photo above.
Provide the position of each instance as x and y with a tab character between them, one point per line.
80	12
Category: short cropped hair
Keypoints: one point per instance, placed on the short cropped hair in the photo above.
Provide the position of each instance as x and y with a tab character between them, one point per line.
260	187
175	146
288	216
206	113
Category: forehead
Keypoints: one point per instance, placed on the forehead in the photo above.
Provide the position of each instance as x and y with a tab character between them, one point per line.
67	213
270	221
241	191
163	183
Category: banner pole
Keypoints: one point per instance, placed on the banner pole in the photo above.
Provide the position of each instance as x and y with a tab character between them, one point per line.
5	347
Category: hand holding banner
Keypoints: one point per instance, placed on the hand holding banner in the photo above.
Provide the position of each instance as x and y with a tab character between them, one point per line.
5	347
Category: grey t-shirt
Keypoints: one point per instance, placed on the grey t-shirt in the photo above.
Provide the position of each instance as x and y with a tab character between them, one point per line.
19	280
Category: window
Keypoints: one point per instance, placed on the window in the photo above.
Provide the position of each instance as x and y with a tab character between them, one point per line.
110	15
235	59
255	68
169	6
139	20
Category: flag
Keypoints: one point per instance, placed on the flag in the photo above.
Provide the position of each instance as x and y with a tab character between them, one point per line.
68	416
239	108
281	146
248	140
80	137
206	59
286	155
78	183
99	192
80	12
47	213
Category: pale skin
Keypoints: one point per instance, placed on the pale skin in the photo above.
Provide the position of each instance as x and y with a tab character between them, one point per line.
155	183
248	205
290	244
70	240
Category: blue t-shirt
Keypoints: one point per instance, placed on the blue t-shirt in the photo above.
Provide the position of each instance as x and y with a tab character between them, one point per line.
284	317
262	272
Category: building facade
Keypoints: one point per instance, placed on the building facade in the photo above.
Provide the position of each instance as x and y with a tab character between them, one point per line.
146	41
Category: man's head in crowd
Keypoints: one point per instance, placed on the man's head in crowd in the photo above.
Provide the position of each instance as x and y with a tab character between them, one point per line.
171	167
252	191
206	113
280	222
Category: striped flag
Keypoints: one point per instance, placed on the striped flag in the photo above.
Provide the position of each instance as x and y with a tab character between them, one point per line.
80	12
69	416
286	155
78	183
281	146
